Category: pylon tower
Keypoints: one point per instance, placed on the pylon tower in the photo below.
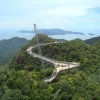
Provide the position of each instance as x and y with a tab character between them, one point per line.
39	48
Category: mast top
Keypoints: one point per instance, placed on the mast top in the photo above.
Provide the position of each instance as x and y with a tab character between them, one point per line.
34	26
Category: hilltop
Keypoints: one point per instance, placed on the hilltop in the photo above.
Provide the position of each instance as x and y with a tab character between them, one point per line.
9	47
22	78
92	40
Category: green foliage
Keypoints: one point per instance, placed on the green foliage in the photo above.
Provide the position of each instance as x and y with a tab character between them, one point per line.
12	95
22	78
92	40
8	48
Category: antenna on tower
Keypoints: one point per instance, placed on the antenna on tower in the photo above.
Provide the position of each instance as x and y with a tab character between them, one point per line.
39	48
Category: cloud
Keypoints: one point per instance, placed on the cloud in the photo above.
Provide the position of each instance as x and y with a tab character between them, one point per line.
94	10
56	21
66	14
88	3
70	11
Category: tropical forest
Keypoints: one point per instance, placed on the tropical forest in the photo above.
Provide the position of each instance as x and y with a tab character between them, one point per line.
22	78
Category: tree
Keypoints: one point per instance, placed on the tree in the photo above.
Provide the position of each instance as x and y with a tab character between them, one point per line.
12	95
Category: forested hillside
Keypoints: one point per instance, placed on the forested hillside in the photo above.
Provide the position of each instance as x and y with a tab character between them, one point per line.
92	40
9	47
22	79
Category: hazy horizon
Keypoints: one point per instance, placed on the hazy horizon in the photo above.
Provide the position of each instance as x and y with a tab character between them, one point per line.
30	35
73	15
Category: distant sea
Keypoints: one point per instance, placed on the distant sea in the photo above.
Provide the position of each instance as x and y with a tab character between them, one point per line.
73	36
10	34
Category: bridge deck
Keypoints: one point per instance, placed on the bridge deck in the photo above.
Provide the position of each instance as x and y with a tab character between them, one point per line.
59	65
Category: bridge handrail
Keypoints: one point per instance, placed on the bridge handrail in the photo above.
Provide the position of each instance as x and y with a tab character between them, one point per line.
54	74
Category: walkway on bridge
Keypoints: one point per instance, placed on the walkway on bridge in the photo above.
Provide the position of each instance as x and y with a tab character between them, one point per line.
59	65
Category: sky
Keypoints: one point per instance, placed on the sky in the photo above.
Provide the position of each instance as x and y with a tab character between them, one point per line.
70	15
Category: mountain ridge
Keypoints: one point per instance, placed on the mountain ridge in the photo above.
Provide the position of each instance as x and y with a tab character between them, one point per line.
52	32
8	53
92	40
9	47
22	78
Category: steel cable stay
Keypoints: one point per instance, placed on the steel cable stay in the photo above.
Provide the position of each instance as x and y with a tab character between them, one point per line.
59	65
35	33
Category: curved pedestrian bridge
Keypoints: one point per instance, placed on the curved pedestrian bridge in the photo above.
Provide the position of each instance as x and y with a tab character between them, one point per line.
59	65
